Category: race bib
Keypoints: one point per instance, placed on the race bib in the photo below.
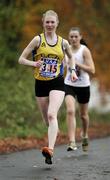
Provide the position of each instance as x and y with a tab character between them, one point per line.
48	68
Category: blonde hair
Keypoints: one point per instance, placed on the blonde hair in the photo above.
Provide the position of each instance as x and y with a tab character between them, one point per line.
50	13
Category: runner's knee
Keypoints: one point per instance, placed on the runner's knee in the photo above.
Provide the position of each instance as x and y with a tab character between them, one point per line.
84	117
51	117
70	112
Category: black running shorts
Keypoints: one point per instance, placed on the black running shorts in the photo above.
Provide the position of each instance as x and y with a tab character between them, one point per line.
82	94
42	88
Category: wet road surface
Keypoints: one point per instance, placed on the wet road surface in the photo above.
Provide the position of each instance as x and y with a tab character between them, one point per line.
75	165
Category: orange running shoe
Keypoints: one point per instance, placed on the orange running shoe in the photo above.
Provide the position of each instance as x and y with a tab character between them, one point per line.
48	154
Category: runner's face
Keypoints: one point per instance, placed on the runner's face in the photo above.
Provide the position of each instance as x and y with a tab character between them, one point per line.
50	23
74	38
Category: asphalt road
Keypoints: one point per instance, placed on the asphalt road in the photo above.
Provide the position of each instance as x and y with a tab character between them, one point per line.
29	165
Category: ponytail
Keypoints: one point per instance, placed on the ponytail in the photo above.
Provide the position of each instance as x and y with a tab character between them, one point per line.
82	41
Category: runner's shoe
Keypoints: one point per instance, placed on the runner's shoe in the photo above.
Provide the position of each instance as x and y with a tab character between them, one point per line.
48	154
72	146
85	144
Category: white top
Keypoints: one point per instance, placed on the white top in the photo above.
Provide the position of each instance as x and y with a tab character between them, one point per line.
83	77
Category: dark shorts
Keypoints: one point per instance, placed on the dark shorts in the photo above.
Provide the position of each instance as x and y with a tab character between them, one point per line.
82	94
42	88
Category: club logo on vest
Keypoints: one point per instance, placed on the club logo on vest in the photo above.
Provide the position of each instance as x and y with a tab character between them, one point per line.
43	44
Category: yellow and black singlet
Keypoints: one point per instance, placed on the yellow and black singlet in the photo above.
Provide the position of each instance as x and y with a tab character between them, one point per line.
52	57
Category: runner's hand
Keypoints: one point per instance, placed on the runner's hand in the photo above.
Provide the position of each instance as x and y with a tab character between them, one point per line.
73	75
38	63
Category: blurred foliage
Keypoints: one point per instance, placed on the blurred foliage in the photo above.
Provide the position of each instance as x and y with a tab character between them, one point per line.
90	15
20	21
